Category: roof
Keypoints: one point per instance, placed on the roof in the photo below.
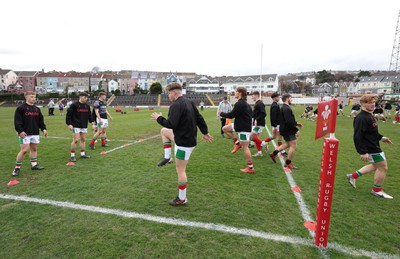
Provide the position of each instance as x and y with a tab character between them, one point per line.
4	71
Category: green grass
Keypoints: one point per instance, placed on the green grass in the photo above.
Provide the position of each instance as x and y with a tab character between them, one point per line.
127	179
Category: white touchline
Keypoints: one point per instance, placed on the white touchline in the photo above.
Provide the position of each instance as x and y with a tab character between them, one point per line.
299	198
209	226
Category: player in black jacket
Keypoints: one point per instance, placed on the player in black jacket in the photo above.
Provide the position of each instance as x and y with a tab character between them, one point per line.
366	140
289	131
388	110
78	116
274	119
183	120
28	119
259	115
243	116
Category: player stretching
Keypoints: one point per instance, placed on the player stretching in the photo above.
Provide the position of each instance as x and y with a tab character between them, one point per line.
183	119
259	115
242	114
28	119
78	116
101	115
289	131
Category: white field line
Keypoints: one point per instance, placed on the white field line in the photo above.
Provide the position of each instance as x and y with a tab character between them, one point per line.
208	226
128	144
121	140
299	198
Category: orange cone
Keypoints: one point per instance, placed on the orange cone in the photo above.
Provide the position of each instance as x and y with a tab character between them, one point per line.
70	164
310	225
103	152
287	170
12	182
296	189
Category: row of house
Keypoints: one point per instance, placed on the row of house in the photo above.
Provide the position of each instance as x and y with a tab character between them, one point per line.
385	85
67	82
126	81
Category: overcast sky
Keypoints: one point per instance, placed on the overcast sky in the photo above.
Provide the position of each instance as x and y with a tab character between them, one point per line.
210	37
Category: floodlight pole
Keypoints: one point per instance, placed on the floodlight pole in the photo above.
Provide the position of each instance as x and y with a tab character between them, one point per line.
261	70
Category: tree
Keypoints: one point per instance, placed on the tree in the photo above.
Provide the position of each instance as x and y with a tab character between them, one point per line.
324	77
364	73
117	92
284	86
155	88
343	76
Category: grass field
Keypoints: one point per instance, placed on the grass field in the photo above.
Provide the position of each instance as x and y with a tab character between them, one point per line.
229	214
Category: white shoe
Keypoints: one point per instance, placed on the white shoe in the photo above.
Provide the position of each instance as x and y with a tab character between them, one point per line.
258	154
381	194
265	145
351	180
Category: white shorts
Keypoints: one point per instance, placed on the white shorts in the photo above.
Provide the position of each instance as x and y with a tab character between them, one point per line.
104	125
183	153
377	157
258	129
34	139
353	111
79	130
275	128
244	136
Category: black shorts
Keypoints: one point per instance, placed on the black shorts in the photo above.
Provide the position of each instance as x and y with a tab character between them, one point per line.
288	137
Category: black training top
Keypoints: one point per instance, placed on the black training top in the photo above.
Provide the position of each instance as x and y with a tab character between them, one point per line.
287	121
102	106
78	115
28	118
259	113
366	136
274	114
242	114
183	119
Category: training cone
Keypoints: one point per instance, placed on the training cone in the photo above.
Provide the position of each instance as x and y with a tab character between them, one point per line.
125	145
103	152
310	225
296	189
12	182
70	164
287	170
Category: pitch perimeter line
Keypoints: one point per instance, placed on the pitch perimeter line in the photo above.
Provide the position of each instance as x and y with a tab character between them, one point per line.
299	198
208	226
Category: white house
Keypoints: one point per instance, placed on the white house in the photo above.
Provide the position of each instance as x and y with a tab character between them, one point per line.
370	84
268	83
7	77
203	84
